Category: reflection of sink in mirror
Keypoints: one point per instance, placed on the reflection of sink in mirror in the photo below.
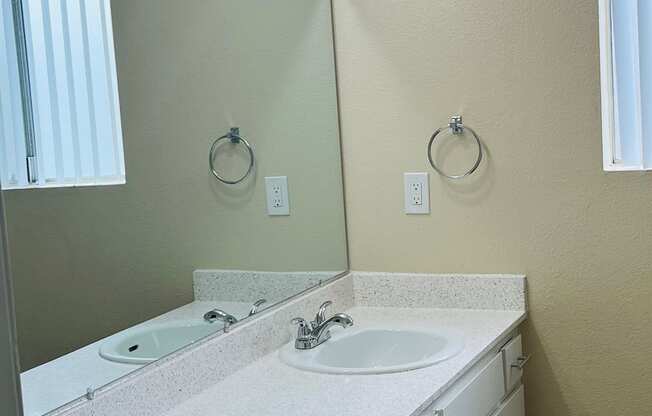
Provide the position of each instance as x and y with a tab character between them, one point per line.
149	343
375	351
71	373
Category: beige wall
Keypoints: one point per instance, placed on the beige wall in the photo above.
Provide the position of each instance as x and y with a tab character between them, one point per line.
525	75
90	261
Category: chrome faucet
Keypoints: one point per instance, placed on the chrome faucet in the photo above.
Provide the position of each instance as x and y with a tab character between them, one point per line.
256	306
219	315
312	334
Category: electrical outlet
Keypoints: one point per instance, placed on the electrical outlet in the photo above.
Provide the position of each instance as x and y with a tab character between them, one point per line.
277	196
278	200
417	195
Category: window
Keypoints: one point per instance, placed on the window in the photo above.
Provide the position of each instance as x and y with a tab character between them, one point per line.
59	110
626	83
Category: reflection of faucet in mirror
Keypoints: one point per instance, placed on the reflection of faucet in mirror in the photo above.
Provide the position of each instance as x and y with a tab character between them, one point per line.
219	315
256	306
310	335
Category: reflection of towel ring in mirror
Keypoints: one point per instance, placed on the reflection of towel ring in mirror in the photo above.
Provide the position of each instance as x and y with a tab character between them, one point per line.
234	137
456	127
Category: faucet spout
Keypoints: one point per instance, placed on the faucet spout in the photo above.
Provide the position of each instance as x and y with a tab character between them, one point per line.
219	315
323	333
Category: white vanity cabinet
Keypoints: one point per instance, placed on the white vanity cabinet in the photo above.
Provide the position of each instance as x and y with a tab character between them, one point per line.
492	387
514	405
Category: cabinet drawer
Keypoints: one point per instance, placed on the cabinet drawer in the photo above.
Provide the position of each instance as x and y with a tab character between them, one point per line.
478	397
512	351
514	405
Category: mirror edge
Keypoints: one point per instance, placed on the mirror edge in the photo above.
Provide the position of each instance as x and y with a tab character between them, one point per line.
6	301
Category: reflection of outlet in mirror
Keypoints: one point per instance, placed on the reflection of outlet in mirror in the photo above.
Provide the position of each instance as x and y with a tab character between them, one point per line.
278	200
417	195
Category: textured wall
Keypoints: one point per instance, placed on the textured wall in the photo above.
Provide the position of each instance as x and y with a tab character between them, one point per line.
90	261
525	75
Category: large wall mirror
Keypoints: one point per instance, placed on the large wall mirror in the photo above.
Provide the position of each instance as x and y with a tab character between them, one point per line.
124	245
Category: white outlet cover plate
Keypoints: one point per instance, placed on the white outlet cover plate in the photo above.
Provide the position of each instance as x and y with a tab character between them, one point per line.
417	192
278	199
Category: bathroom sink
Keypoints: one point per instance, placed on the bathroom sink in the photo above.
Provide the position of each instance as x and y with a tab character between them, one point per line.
148	343
375	351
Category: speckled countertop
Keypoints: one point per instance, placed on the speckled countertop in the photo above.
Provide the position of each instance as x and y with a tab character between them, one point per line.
269	387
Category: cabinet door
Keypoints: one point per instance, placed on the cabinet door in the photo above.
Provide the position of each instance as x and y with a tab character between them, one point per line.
514	405
480	396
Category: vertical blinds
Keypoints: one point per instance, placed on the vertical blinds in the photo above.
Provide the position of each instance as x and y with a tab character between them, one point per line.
631	58
73	92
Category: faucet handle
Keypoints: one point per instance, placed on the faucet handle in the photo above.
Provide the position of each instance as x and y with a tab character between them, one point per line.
304	329
256	305
304	334
321	315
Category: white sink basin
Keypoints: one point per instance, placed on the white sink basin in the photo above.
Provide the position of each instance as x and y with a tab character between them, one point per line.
145	344
375	351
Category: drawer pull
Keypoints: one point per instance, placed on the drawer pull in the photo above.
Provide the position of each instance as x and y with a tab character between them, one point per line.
521	361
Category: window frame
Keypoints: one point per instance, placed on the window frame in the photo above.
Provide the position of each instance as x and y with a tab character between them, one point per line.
610	145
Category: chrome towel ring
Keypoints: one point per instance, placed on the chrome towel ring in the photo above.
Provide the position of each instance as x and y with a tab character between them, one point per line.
456	127
234	137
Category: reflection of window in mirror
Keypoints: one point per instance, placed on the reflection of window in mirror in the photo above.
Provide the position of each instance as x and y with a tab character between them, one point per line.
60	126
